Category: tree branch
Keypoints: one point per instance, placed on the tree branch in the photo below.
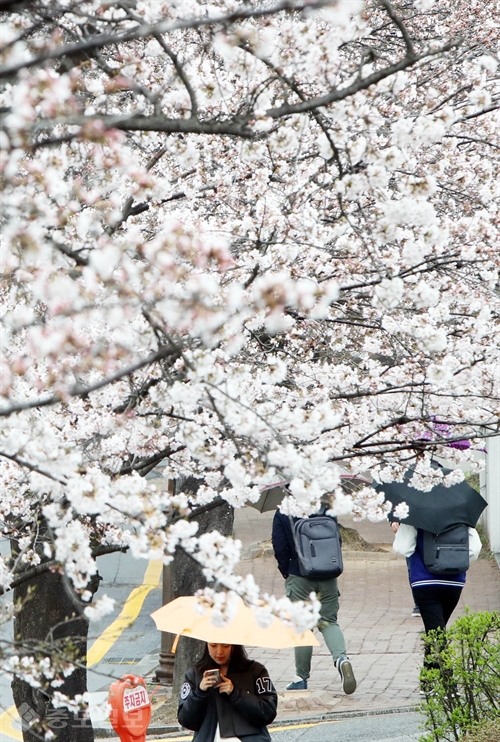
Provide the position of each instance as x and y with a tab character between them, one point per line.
151	461
237	126
337	95
84	391
41	569
31	467
398	21
99	41
180	72
478	113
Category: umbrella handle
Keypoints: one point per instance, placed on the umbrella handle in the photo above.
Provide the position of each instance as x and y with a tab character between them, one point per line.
174	645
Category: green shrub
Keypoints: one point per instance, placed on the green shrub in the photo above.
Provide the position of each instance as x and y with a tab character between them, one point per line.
464	690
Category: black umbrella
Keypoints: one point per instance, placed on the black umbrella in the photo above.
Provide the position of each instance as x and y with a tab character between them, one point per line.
438	509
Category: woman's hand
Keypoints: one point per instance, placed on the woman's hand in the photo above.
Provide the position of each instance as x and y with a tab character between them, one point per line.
395	526
208	681
226	686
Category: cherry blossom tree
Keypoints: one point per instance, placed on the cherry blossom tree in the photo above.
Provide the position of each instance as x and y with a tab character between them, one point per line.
255	241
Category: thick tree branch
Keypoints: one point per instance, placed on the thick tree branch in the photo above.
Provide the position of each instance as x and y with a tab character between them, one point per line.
359	84
238	126
70	253
151	461
398	21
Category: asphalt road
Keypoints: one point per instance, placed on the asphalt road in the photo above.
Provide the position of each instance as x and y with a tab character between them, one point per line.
390	727
377	728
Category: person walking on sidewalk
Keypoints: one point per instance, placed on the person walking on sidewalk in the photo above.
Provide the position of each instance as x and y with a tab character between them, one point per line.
436	595
299	588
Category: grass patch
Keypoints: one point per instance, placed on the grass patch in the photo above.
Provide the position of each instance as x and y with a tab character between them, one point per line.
487	732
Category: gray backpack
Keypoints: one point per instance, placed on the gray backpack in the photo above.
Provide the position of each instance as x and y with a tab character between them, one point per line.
318	544
447	553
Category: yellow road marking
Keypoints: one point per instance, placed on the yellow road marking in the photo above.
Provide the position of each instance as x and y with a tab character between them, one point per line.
6	720
105	641
129	613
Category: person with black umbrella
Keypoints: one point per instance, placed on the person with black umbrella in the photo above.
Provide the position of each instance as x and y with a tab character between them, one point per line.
435	521
436	510
436	595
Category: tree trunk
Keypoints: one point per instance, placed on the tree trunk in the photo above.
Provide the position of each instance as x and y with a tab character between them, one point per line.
188	577
50	623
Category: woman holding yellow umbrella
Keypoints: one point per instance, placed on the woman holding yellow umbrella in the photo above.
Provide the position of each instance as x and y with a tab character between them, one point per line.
227	696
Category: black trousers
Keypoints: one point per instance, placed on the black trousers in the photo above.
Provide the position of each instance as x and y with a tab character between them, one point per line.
436	605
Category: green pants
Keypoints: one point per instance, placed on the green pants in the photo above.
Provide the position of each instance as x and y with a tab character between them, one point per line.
299	588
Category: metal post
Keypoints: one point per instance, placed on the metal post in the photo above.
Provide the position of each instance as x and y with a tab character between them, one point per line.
164	673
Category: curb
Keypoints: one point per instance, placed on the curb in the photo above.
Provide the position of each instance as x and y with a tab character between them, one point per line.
370	556
264	549
327	715
174	729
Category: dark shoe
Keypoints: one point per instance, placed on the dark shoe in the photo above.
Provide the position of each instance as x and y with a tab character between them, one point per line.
416	611
297	684
347	675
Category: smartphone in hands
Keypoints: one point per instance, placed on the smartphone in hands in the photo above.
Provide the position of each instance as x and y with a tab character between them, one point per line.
214	674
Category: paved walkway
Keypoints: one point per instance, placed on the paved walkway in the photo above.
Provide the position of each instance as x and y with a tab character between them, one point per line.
383	639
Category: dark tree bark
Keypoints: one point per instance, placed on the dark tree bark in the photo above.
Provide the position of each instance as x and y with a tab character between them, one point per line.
51	623
188	577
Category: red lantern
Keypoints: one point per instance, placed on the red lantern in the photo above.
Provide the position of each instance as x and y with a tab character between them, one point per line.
130	708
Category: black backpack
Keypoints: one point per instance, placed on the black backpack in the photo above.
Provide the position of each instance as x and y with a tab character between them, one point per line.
447	553
319	546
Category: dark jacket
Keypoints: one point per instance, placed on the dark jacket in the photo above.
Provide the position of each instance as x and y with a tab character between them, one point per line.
284	545
244	713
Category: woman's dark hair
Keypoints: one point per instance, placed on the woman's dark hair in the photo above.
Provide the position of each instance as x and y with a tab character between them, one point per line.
238	657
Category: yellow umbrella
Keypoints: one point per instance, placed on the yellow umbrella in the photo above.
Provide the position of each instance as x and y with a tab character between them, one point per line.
180	617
